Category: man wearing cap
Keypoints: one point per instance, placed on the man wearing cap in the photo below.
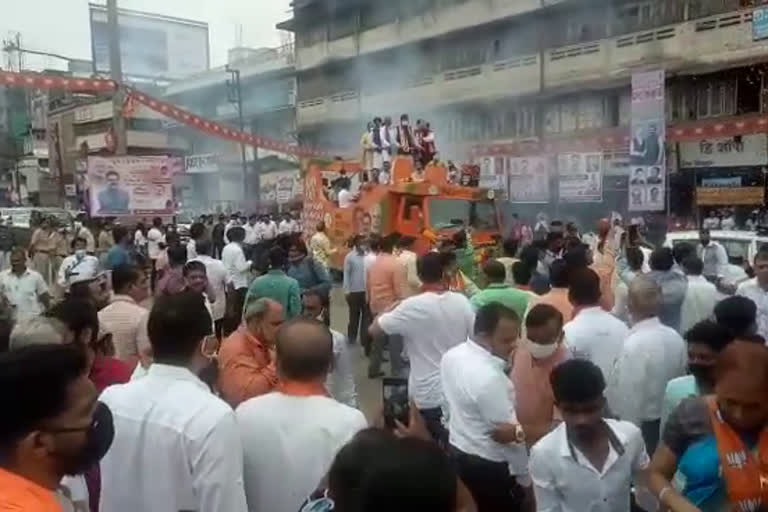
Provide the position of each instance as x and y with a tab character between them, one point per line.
78	263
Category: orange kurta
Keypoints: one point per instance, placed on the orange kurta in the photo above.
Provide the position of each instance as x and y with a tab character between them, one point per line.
245	368
17	494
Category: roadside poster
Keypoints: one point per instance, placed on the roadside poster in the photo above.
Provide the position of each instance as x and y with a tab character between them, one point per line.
528	179
491	176
647	161
131	185
580	177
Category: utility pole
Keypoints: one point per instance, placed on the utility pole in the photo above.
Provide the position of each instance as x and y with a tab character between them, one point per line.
116	72
235	95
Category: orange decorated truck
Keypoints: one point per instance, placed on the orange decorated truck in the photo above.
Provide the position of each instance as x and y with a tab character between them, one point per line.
423	205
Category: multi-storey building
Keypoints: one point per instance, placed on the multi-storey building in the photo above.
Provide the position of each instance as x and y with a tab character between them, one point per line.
267	85
535	76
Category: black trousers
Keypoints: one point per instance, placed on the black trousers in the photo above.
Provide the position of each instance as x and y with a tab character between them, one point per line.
234	314
650	431
359	319
218	247
433	419
490	483
153	276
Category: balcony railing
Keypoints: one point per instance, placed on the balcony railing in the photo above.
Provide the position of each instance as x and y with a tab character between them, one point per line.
716	41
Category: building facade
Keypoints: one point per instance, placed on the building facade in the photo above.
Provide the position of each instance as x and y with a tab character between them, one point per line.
541	77
268	89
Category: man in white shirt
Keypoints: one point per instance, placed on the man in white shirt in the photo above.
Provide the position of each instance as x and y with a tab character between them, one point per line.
155	237
711	222
251	231
345	196
486	440
341	379
234	221
24	288
431	323
83	232
78	263
593	334
653	354
176	444
291	436
238	275
287	226
713	255
587	463
756	289
700	296
217	280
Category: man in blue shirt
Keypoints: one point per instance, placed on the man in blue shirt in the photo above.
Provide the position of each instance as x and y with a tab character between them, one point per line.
114	199
354	290
120	253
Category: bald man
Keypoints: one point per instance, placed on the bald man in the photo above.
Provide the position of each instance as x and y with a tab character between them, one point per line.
652	355
247	356
290	436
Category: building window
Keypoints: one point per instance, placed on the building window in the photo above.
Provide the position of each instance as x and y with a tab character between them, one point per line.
716	98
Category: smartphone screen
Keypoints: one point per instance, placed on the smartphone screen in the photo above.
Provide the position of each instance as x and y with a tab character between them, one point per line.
395	394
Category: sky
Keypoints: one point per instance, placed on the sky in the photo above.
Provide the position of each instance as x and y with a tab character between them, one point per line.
62	26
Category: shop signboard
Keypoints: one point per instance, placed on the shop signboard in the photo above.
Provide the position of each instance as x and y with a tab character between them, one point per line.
280	186
730	196
131	186
202	164
528	179
738	151
580	177
647	171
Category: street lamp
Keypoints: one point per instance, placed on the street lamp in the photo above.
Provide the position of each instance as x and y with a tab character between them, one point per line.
235	95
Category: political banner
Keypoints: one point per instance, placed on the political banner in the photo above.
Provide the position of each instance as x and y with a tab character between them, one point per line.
648	173
580	177
491	174
131	186
528	179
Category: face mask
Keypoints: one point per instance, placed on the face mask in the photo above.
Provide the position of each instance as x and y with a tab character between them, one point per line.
80	253
99	437
539	351
78	225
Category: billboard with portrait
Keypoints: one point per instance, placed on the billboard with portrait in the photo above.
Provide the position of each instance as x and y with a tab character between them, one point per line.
528	179
131	186
648	173
580	177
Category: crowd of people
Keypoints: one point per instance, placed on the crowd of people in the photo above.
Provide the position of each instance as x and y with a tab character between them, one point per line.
383	140
564	372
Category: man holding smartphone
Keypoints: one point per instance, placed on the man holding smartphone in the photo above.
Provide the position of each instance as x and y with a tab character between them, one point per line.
430	324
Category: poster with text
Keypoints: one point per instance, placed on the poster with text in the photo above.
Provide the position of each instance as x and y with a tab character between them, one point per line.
528	179
648	173
130	185
580	177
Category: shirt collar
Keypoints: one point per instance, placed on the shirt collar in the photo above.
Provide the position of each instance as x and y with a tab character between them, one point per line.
276	272
589	310
564	447
496	361
123	298
251	339
305	389
496	286
168	371
698	279
648	323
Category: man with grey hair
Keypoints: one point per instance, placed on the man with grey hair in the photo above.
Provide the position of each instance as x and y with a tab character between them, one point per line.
652	355
247	356
39	330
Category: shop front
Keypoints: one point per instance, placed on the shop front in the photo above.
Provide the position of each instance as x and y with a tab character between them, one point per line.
718	173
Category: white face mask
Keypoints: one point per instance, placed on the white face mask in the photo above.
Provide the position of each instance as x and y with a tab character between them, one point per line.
78	225
80	254
539	351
